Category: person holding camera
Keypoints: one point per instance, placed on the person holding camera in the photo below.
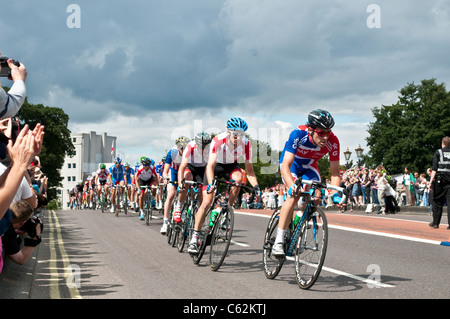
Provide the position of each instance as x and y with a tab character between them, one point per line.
22	223
11	102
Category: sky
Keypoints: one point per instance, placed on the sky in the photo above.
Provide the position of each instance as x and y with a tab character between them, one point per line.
150	71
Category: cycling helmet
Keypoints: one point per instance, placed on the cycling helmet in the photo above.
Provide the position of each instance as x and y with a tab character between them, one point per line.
142	158
320	119
163	159
146	161
202	139
117	160
152	162
237	124
126	164
102	166
182	141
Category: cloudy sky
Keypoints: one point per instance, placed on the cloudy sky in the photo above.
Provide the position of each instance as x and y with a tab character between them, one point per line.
149	71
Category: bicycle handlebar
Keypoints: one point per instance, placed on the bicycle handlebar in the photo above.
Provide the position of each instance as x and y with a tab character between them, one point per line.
318	184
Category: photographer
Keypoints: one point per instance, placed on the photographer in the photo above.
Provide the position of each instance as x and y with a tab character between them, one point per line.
11	102
22	224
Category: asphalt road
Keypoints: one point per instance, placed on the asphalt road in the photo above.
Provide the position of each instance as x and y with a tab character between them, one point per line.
89	255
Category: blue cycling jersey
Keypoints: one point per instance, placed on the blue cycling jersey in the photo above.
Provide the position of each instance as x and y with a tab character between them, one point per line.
117	172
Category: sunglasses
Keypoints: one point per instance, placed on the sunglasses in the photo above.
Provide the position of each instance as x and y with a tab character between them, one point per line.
235	134
322	133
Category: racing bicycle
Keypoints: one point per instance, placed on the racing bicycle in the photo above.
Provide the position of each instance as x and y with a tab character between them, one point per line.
306	240
217	230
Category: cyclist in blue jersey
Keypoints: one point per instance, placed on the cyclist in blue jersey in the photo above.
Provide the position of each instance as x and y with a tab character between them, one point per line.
117	176
129	172
305	146
170	173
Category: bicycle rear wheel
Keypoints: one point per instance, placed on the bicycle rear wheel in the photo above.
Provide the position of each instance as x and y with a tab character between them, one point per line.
221	237
311	249
271	264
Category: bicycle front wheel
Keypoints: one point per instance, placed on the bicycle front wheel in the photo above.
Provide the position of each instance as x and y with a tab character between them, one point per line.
271	264
311	249
221	237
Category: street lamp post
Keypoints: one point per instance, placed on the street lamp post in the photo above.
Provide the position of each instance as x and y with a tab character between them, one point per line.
359	153
347	155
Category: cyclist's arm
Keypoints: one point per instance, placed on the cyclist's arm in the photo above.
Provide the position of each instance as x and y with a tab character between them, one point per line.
288	160
210	167
251	176
166	170
183	166
335	174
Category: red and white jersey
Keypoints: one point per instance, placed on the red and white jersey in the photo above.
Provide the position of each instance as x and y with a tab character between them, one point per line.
102	175
146	174
195	155
227	153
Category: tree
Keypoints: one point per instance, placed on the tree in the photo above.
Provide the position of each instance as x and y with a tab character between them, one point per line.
57	141
408	132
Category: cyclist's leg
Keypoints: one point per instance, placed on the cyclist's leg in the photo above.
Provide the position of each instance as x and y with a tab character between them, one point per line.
171	190
235	175
182	197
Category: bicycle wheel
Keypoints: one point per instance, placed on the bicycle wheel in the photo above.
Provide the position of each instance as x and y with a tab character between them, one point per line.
148	210
205	238
117	206
185	229
311	249
271	264
125	201
221	237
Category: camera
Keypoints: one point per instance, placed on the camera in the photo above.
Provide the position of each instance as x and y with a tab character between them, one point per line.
30	226
5	71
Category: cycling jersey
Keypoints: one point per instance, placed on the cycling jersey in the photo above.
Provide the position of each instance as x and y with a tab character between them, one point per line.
196	156
129	173
173	158
227	153
117	173
307	154
102	175
159	168
146	174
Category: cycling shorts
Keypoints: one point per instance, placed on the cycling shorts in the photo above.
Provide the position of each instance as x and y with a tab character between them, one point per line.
198	173
223	171
308	172
148	182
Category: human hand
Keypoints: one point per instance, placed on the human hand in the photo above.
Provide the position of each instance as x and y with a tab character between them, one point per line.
17	72
22	151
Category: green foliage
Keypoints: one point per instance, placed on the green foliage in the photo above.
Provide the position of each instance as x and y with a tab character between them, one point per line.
57	141
409	132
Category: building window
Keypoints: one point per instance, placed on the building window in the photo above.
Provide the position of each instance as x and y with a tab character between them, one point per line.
68	178
74	165
69	165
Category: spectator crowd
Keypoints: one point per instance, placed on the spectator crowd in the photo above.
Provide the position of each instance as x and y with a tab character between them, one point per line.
23	184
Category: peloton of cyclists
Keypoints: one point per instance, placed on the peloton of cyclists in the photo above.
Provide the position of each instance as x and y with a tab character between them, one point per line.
225	151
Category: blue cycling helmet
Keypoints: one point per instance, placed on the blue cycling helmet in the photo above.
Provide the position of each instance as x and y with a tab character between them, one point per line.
117	160
237	124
